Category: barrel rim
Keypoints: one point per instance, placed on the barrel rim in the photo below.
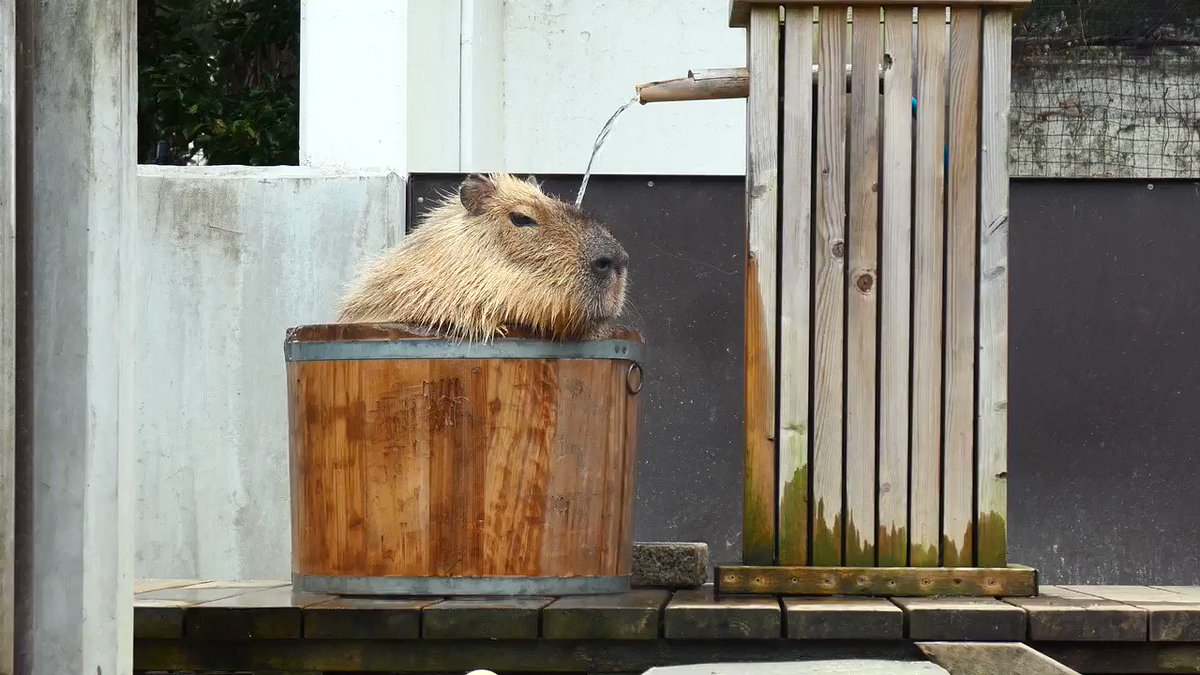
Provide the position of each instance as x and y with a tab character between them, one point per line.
452	586
360	332
618	350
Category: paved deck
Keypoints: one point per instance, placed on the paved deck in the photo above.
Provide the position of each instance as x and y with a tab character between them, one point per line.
264	625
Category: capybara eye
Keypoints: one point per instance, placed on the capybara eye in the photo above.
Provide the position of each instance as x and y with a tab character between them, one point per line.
522	220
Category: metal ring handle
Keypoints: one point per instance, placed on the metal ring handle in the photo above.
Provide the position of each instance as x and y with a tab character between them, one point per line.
629	374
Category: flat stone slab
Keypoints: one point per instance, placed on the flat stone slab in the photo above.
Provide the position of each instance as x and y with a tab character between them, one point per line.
820	667
669	565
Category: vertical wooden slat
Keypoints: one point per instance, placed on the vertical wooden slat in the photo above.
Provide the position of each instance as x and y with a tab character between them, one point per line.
758	533
8	138
927	287
992	430
958	518
861	309
795	287
829	278
895	289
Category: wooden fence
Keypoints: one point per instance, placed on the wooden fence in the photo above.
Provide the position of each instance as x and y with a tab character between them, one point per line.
876	297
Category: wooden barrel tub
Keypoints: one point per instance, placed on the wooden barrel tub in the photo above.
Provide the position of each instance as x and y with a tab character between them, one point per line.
424	466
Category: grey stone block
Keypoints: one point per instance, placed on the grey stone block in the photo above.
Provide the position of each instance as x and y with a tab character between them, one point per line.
669	564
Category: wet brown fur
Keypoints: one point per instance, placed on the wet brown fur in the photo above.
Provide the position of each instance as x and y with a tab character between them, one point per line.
468	271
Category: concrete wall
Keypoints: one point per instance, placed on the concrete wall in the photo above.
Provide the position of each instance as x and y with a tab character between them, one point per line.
228	259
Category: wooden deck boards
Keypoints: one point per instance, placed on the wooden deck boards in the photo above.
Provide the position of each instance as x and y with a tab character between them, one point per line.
267	610
203	625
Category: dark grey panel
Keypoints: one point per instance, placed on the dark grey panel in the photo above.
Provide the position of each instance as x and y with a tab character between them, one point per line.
1105	367
1104	481
684	238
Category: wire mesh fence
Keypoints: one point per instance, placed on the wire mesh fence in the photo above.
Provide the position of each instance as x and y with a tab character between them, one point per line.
1106	88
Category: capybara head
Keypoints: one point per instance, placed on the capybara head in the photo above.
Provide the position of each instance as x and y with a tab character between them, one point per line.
499	254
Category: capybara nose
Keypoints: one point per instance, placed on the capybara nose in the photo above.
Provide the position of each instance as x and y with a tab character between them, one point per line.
609	263
604	266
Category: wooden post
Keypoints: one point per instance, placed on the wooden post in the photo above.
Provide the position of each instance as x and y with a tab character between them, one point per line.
861	310
829	256
958	466
895	289
75	209
762	117
795	270
8	298
925	490
992	427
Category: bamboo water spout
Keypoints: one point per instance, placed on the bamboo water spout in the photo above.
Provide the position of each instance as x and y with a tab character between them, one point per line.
699	85
712	84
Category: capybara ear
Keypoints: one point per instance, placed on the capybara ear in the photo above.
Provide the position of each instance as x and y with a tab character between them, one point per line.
532	180
475	192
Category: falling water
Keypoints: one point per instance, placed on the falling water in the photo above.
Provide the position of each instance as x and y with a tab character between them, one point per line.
599	144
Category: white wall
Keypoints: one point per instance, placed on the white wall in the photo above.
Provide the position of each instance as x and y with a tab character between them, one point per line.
568	65
228	259
518	85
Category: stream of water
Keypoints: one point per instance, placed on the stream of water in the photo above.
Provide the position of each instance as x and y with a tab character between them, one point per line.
608	126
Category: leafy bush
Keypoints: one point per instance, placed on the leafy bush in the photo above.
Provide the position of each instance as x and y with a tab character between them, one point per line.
219	79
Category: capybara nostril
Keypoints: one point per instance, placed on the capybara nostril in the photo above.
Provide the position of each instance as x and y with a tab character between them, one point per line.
602	266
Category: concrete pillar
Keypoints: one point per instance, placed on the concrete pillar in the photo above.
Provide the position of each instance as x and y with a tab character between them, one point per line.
8	138
76	204
353	83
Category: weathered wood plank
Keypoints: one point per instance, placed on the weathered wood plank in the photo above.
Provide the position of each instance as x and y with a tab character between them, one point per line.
895	291
758	530
1060	614
795	304
829	251
504	656
697	614
958	471
8	327
158	618
925	491
269	614
194	595
365	618
739	10
627	616
1127	593
1172	621
988	658
255	584
992	408
487	618
1125	657
1191	592
150	585
962	619
843	619
1172	615
862	316
883	581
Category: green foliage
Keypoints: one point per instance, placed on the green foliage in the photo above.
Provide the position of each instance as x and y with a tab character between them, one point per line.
219	78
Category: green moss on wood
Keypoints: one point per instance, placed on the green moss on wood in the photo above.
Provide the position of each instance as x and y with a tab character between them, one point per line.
827	536
892	544
758	524
993	540
793	502
859	550
923	555
959	552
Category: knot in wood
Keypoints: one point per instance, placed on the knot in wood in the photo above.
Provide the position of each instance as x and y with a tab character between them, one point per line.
865	282
838	249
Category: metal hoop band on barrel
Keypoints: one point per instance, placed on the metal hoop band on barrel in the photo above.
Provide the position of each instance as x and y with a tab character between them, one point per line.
620	350
460	585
